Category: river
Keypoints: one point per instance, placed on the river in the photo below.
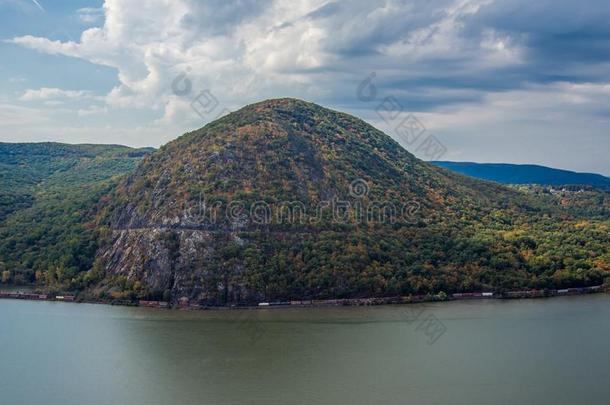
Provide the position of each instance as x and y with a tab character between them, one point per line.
546	351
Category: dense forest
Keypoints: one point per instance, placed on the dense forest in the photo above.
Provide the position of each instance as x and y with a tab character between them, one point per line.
117	223
466	235
48	197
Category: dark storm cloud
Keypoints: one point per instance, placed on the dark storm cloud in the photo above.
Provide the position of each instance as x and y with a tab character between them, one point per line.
563	40
559	41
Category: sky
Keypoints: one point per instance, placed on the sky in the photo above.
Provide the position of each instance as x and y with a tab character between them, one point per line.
491	81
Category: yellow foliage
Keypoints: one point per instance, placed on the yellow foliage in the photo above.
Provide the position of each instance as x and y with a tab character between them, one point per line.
527	254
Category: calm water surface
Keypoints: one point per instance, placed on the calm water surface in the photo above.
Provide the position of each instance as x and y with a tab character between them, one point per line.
554	351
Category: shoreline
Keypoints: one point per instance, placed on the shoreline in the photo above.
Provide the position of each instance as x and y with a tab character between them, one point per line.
185	305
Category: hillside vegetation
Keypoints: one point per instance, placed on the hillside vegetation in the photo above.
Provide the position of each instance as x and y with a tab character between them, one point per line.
48	196
167	232
284	200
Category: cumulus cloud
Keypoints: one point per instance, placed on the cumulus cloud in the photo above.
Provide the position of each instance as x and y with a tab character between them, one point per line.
247	49
317	49
456	62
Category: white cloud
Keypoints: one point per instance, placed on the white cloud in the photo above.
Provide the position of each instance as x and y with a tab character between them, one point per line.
93	110
41	124
278	48
90	15
47	46
14	115
553	104
46	93
462	68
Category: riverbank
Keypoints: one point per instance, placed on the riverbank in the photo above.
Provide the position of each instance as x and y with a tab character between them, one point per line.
184	303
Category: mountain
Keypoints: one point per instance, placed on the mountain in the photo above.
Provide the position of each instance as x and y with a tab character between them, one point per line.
48	192
524	174
25	166
285	199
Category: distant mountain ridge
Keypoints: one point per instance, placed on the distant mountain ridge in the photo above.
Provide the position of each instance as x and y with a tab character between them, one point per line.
507	173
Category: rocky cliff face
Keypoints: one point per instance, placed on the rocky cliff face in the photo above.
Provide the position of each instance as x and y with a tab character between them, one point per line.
284	199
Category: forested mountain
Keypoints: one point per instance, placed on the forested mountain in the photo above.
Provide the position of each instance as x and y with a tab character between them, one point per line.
205	218
283	200
48	192
525	174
